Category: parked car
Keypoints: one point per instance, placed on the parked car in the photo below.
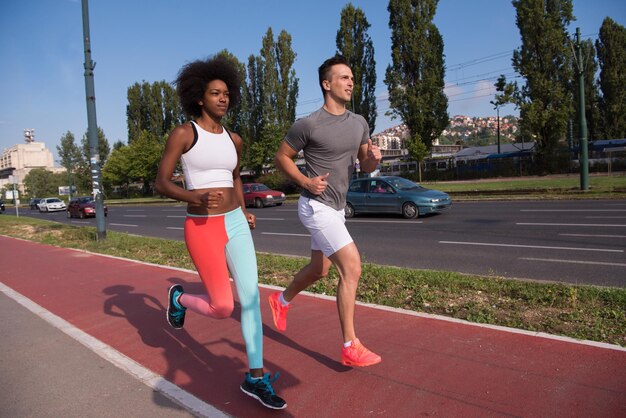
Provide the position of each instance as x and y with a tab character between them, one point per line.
83	206
2	206
51	204
33	203
260	195
393	194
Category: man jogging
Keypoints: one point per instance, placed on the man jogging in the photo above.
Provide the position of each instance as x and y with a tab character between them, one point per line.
332	138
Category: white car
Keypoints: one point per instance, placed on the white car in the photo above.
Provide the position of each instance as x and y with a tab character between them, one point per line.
51	204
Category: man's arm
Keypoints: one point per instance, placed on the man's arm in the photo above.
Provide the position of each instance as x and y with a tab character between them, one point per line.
284	162
369	156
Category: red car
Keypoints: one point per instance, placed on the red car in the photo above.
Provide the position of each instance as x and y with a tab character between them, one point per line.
83	207
259	195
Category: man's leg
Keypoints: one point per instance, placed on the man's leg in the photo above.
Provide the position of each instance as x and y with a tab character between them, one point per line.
309	274
348	263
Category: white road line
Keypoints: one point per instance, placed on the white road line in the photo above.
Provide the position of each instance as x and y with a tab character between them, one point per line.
605	217
134	226
176	216
135	216
270	219
174	227
556	224
593	236
488	244
136	210
572	210
291	235
552	260
286	210
385	222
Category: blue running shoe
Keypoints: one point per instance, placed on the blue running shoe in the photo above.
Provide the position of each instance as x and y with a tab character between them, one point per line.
175	311
262	390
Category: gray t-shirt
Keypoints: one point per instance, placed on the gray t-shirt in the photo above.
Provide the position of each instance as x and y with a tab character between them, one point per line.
331	145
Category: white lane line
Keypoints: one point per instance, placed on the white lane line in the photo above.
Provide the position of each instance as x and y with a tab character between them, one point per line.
176	216
593	236
488	244
290	235
553	260
135	210
605	217
385	222
175	227
135	216
556	224
134	226
270	219
572	210
286	210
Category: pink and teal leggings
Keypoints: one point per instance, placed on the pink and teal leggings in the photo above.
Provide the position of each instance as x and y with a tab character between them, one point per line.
216	244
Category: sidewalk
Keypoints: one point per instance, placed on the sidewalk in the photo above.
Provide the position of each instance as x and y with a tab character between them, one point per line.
115	308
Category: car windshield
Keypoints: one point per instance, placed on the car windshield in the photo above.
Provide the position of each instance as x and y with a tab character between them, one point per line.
403	184
54	201
86	199
261	188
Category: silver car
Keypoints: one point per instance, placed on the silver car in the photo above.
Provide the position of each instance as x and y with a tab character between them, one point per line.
51	204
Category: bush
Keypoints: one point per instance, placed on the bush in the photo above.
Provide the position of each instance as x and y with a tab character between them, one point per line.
277	181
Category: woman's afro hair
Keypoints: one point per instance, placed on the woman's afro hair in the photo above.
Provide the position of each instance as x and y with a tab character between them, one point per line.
194	77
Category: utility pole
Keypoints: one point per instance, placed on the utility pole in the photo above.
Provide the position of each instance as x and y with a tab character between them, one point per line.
583	156
92	128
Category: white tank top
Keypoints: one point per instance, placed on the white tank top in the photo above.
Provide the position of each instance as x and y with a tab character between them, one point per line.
210	161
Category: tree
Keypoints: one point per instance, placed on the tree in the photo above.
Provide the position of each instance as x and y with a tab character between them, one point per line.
273	92
355	44
40	182
415	76
418	151
611	46
153	108
70	157
545	61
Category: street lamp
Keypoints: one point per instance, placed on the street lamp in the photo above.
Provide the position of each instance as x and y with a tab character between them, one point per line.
497	107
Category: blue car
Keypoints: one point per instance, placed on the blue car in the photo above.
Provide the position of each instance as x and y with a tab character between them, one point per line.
394	195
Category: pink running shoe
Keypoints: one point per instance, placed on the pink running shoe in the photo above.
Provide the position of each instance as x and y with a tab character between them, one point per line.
279	312
359	356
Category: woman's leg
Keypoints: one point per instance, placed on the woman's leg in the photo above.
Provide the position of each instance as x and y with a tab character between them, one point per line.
241	258
206	238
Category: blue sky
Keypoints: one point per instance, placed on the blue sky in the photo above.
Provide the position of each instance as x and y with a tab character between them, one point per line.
41	52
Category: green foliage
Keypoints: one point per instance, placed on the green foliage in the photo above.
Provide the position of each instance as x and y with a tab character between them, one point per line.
611	47
153	108
355	44
40	182
277	181
415	79
545	61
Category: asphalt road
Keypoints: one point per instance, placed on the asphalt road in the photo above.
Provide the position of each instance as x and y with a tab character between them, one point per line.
579	242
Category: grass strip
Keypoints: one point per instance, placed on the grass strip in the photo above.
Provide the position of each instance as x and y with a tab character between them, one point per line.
583	312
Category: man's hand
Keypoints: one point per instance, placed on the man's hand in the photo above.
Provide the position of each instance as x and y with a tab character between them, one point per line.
317	185
373	152
211	199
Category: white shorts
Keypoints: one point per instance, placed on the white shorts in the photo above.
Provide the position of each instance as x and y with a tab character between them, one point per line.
326	225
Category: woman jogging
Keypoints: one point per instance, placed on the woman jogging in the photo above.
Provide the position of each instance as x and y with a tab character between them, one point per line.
217	226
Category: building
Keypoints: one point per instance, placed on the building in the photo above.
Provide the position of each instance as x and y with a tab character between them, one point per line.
18	160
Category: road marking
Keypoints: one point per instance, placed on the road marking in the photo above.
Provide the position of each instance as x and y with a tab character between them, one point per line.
384	222
175	227
488	244
286	210
136	210
572	210
605	217
176	216
134	226
555	224
270	219
553	260
135	216
593	236
291	235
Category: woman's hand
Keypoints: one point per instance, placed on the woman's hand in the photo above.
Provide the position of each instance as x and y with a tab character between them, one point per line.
211	199
251	219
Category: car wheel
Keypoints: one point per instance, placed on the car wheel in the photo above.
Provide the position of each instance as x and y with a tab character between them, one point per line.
258	203
410	211
278	204
348	210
